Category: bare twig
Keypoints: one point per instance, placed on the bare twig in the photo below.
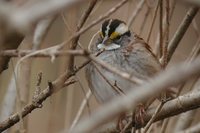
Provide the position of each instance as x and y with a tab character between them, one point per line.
40	31
84	92
173	107
102	17
19	102
136	12
84	29
117	89
195	51
67	83
39	34
38	89
156	49
121	104
164	125
120	73
56	48
145	20
185	120
28	108
80	111
10	39
161	28
79	26
153	21
181	31
195	27
59	83
23	79
193	54
164	54
24	17
153	117
40	53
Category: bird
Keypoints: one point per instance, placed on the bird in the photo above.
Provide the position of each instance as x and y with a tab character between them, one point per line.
124	50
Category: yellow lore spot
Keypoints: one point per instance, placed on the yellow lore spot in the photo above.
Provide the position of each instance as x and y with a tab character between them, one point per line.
114	35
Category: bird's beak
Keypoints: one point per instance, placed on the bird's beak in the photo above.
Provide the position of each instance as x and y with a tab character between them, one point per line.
106	41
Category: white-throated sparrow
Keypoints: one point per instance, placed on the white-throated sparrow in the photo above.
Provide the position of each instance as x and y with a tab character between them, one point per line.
124	50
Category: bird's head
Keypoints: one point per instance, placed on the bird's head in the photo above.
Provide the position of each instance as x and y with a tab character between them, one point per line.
111	33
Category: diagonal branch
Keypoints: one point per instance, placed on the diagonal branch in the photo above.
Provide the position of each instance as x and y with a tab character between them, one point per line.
181	31
29	108
174	107
56	85
80	25
170	77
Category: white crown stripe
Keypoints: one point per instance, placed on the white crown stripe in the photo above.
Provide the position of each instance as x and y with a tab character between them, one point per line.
108	28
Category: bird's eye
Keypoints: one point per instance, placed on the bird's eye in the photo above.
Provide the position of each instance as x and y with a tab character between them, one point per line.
118	37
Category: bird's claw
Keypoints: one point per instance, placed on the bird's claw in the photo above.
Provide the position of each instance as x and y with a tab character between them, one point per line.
140	113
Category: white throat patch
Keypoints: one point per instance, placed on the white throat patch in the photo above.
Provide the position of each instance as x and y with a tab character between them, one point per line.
108	47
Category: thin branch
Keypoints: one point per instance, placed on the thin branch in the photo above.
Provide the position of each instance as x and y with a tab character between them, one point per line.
84	92
67	83
38	53
153	21
136	12
167	19
170	77
195	27
93	13
195	51
117	89
59	83
102	17
38	89
9	39
173	4
81	31
173	107
22	20
41	30
39	34
27	109
81	109
118	72
181	31
161	28
18	98
193	54
164	125
81	22
153	117
148	11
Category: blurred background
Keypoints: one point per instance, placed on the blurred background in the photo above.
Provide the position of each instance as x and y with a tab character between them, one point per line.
59	111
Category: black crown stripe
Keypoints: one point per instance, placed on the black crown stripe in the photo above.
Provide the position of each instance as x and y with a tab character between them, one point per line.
114	24
104	25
